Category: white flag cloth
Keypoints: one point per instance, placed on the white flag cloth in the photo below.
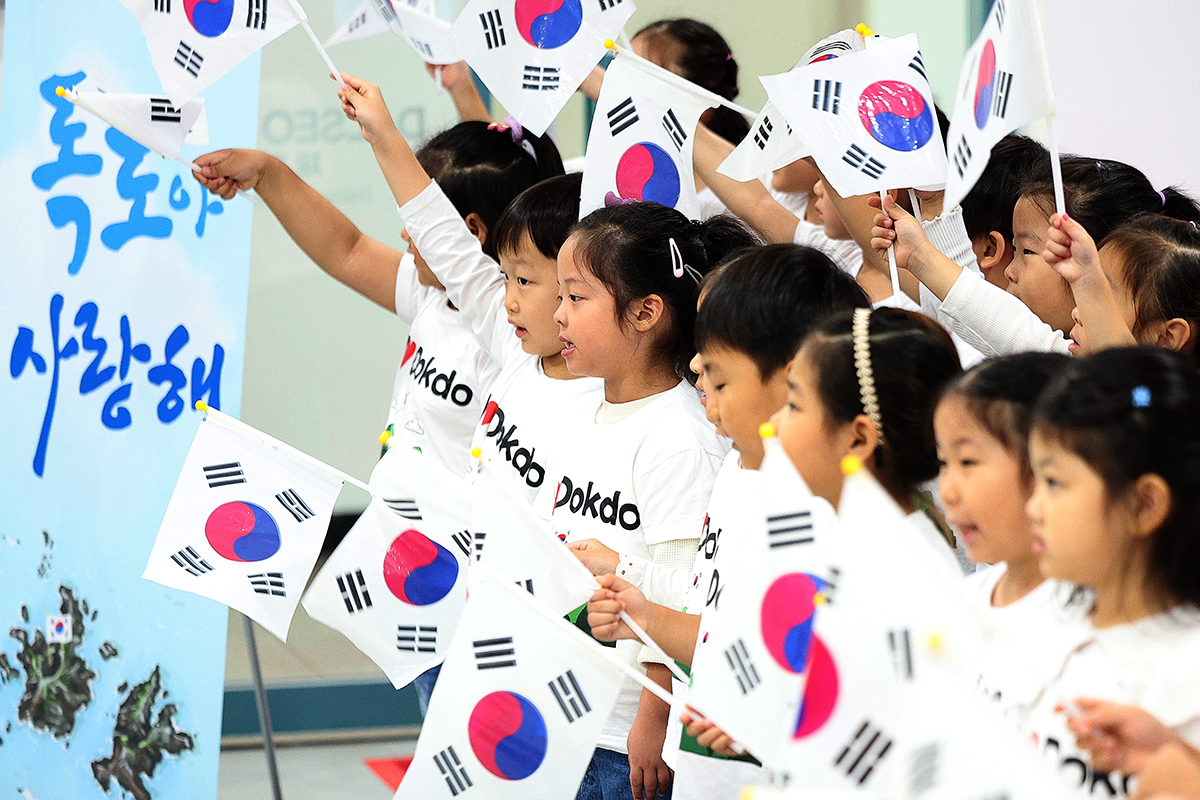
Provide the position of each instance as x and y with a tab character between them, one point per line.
866	117
754	643
371	18
772	143
640	144
431	37
518	544
194	42
245	523
395	586
1004	84
534	54
519	703
151	121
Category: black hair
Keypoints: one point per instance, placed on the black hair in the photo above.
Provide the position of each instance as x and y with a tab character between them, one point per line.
704	58
912	358
764	302
989	205
943	125
545	211
628	248
1101	194
1131	412
1000	394
482	169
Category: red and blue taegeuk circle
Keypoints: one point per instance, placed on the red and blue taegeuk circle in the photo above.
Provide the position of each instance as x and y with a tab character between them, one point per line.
820	691
241	531
418	570
508	735
896	115
209	17
787	617
645	172
547	24
985	86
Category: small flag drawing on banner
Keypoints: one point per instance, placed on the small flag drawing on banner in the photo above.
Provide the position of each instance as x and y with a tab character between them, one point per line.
784	530
494	653
456	775
674	129
962	156
569	696
1003	84
58	629
295	505
862	754
743	668
404	507
463	540
354	591
191	562
493	29
190	60
270	583
900	643
540	78
763	134
416	638
918	64
622	116
256	15
861	160
827	95
161	110
224	474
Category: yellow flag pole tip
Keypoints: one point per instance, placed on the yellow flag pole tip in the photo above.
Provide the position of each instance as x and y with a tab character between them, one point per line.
201	405
61	91
863	30
935	642
610	44
476	452
851	465
820	599
384	437
766	430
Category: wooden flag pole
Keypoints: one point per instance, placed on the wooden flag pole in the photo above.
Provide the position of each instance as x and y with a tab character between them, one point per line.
264	711
333	71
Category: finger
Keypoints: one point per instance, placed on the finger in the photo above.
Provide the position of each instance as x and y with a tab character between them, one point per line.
649	784
635	781
894	209
664	779
698	727
584	545
874	201
210	160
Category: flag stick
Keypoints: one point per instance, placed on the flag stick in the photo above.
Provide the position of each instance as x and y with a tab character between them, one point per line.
334	73
437	80
264	712
250	432
916	203
893	270
680	83
1060	202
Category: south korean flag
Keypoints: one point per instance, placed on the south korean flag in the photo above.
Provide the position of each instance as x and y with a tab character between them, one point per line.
431	37
867	117
154	122
371	18
195	42
640	144
1004	84
396	584
245	523
534	54
519	703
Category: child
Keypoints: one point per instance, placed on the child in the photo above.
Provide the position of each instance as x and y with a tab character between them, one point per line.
639	466
982	428
1115	449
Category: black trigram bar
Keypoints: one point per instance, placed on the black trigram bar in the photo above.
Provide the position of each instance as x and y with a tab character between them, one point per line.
224	474
405	507
268	583
827	95
416	638
605	5
480	536
569	696
829	590
357	23
918	64
621	116
163	6
832	48
493	29
784	530
353	587
463	540
424	48
494	653
1000	101
385	10
1000	12
900	643
161	110
256	15
763	134
191	562
453	771
962	156
863	753
674	129
738	659
543	79
526	584
923	771
860	160
189	59
295	505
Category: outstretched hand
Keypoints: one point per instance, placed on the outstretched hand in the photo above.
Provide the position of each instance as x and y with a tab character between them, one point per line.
604	609
363	102
897	229
225	172
1071	251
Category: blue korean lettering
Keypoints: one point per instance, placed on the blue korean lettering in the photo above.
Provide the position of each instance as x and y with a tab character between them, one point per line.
180	200
211	385
171	406
23	354
65	210
93	377
115	416
133	188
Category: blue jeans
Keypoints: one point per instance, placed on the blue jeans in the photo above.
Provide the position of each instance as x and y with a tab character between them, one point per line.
425	683
607	777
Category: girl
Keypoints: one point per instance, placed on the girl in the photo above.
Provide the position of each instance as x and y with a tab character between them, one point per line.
982	430
639	465
1115	450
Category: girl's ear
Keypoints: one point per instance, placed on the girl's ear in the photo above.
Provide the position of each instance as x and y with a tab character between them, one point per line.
477	227
1151	499
862	438
646	312
1175	334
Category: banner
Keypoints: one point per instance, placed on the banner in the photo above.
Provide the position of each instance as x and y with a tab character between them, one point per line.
122	301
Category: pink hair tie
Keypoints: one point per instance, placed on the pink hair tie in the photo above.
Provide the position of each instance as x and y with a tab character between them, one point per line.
1164	198
518	136
729	56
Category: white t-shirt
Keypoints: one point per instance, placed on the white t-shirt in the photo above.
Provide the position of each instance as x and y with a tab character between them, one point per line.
642	478
845	253
438	395
1153	663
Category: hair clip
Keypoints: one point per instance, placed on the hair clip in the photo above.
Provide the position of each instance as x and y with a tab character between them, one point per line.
514	129
729	56
678	267
1163	196
862	367
1193	224
1140	396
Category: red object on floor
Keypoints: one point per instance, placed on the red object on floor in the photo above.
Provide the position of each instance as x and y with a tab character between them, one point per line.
389	770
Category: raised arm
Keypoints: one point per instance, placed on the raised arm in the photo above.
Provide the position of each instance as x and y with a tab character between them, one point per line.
1072	253
326	235
457	80
750	201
